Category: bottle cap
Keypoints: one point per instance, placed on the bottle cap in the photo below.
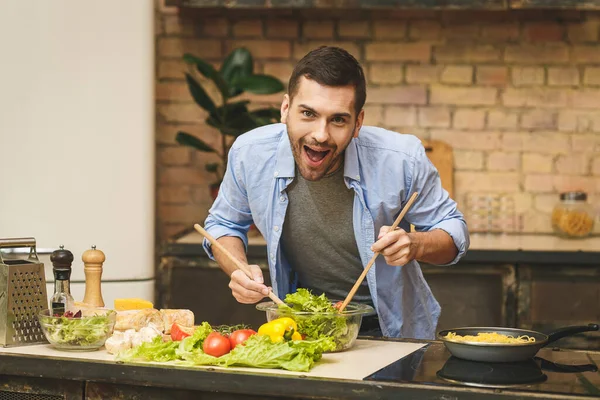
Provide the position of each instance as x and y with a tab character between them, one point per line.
61	261
93	256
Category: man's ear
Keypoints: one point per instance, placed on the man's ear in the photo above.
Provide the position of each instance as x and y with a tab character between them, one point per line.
285	108
359	122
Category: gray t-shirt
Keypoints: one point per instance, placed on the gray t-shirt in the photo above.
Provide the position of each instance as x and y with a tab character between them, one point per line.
318	237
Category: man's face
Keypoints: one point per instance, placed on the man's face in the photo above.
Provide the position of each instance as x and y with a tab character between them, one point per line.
321	122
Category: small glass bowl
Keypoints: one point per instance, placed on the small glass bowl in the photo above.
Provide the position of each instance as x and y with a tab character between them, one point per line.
343	327
88	332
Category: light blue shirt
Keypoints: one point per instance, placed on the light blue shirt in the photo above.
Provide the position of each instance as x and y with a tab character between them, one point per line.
383	168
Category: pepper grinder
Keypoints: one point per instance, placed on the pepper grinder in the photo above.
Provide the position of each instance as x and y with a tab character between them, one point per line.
62	300
92	261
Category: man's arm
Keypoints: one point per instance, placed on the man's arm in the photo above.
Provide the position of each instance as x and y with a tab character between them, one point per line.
434	247
442	237
399	247
228	221
244	289
236	247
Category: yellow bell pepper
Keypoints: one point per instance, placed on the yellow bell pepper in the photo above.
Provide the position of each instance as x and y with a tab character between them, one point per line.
280	329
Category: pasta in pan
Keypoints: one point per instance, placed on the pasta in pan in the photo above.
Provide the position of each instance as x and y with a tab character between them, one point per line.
489	337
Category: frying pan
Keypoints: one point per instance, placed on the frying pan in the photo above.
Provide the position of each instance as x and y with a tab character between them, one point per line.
505	352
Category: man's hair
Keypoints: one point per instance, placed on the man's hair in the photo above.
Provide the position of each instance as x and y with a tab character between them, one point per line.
331	66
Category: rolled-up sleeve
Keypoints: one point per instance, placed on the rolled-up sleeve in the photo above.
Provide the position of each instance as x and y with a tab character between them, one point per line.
434	209
230	213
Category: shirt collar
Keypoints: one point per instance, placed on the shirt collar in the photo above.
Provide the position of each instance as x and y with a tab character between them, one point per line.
285	166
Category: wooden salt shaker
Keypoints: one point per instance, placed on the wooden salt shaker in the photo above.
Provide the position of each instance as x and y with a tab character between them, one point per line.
92	261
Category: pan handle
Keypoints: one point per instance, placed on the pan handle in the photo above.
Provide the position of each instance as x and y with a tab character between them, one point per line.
556	367
571	330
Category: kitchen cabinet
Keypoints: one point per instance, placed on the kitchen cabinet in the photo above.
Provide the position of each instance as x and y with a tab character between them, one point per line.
30	388
473	295
492	5
198	284
552	297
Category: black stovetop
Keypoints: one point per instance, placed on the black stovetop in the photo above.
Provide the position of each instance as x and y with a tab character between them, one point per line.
552	371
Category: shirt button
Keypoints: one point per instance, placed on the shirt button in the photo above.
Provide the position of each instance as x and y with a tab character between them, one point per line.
276	228
282	199
272	255
358	177
276	174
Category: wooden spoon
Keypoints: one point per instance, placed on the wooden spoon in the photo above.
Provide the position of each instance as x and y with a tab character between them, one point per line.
238	263
372	261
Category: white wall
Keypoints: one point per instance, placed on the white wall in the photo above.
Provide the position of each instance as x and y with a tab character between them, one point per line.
76	129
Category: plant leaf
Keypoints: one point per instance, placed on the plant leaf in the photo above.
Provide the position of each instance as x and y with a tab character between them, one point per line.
199	94
212	167
186	139
239	58
239	124
213	122
270	113
258	84
209	72
239	63
229	110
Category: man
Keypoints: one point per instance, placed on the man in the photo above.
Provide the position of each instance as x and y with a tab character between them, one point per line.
323	190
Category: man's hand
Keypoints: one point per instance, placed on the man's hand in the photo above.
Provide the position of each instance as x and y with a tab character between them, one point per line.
396	246
246	290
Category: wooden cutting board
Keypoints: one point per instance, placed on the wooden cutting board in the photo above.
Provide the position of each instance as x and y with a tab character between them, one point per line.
364	359
442	157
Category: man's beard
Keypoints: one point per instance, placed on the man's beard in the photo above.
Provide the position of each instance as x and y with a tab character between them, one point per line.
306	171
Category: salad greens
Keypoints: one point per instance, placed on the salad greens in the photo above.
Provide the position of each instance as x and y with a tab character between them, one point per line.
75	331
328	323
257	351
304	300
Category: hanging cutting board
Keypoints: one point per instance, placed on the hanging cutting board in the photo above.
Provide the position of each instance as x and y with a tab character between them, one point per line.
442	157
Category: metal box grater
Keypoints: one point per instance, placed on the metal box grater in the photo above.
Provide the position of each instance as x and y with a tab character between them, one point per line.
22	295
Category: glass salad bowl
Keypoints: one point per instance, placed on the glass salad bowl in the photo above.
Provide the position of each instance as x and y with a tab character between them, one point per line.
343	327
78	332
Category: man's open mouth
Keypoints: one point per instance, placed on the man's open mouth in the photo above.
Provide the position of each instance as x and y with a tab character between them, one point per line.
315	156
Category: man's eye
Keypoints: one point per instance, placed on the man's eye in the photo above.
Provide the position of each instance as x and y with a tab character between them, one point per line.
308	114
338	120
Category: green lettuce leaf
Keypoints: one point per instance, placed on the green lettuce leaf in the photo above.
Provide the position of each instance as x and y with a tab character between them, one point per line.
195	342
304	300
257	351
156	350
327	324
260	352
83	332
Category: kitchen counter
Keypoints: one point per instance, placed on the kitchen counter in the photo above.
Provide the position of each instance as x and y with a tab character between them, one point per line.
427	373
506	248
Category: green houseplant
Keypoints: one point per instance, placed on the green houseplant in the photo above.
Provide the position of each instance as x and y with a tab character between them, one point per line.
231	117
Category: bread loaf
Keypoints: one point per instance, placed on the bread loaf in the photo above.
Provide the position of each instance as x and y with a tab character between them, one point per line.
182	317
137	319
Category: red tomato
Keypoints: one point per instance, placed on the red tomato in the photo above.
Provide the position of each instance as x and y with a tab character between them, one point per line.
216	345
338	304
240	336
179	332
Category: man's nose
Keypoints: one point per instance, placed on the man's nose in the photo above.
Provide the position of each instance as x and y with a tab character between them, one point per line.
321	134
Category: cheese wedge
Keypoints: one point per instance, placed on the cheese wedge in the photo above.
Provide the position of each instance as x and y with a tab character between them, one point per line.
132	304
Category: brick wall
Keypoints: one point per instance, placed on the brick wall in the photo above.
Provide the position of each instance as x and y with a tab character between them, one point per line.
517	95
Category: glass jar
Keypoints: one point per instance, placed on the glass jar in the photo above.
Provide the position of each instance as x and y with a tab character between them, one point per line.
573	217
